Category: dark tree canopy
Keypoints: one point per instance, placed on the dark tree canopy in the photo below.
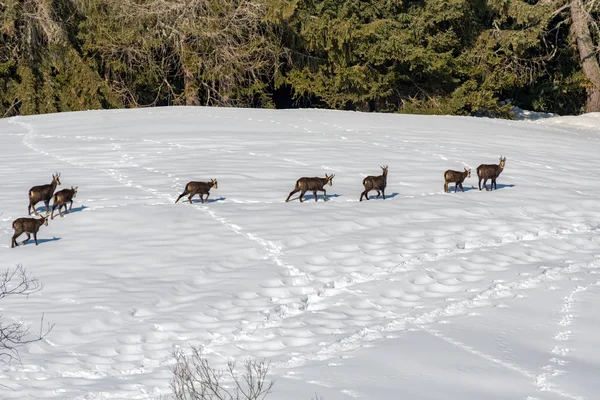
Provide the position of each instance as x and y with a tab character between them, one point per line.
465	57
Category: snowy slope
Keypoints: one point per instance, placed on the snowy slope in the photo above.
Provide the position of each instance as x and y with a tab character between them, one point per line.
424	295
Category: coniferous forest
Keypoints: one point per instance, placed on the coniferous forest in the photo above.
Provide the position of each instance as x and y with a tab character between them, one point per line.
462	57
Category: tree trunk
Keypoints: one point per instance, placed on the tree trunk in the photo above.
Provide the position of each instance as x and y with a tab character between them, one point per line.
587	53
593	99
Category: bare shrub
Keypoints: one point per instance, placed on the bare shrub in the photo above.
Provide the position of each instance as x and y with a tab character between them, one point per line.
195	379
13	335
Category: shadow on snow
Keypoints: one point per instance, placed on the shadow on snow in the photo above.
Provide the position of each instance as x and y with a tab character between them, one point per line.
40	241
195	201
387	196
312	197
74	210
497	187
468	189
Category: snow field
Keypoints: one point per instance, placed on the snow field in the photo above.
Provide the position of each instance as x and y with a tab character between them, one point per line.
471	295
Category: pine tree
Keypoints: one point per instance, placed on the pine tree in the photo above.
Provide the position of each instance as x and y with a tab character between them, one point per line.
41	70
191	52
451	57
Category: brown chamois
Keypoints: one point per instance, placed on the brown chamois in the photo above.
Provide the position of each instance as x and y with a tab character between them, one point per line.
490	171
61	198
457	177
198	188
312	184
375	183
42	193
28	226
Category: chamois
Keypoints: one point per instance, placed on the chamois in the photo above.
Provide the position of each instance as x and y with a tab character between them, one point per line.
29	226
61	198
457	177
490	171
375	183
43	193
312	184
198	188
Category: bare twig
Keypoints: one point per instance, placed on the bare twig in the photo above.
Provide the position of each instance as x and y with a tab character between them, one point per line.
194	378
13	335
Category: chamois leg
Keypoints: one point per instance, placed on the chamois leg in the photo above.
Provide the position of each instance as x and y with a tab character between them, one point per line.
494	185
28	237
32	205
446	187
315	194
190	197
366	194
35	238
53	208
455	187
485	184
47	203
378	194
324	195
296	190
60	210
14	239
206	199
461	187
383	193
182	194
479	185
70	207
302	195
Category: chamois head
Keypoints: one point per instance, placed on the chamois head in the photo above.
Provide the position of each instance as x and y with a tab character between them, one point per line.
74	189
385	170
56	179
329	179
468	171
44	218
214	183
502	161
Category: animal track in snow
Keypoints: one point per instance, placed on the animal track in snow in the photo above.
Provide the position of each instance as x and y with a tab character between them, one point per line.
561	350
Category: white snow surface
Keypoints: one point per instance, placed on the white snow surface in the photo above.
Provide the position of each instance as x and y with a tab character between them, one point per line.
423	295
521	115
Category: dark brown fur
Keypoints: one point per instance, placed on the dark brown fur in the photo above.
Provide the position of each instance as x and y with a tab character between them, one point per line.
490	171
457	177
375	183
311	184
42	193
61	198
198	188
28	226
